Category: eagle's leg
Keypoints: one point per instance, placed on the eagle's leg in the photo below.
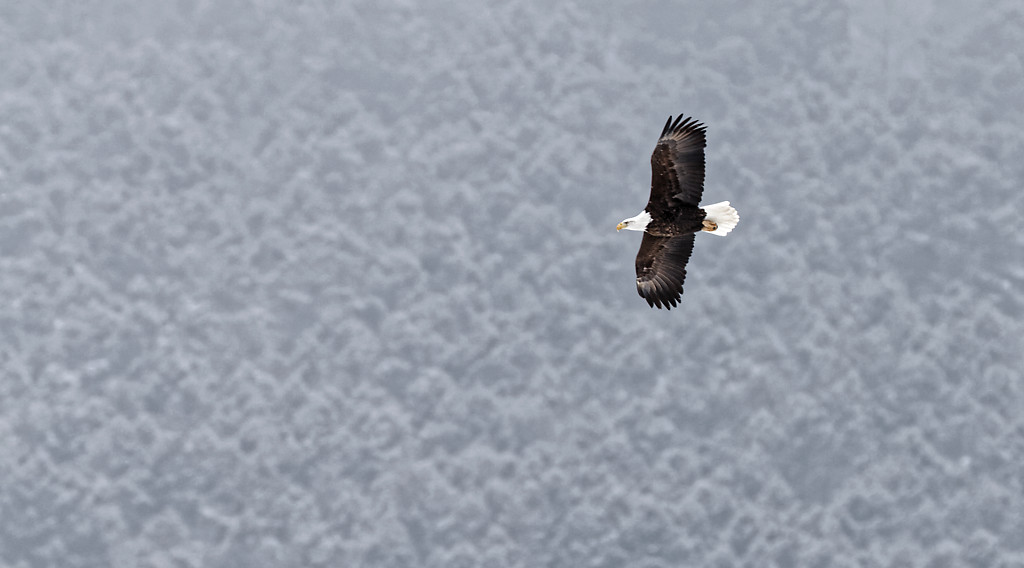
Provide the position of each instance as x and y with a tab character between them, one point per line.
710	225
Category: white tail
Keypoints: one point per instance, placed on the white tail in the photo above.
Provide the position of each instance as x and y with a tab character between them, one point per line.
723	215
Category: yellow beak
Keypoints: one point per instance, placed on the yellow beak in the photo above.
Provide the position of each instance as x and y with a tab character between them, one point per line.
620	226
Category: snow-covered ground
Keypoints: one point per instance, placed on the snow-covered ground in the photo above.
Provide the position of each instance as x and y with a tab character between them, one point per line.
290	285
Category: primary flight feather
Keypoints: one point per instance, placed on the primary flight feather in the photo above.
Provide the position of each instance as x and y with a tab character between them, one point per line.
672	216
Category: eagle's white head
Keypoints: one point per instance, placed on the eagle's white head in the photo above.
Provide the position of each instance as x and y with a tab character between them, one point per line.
638	223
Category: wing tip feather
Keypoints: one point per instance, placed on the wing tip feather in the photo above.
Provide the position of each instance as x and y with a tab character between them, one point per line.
679	126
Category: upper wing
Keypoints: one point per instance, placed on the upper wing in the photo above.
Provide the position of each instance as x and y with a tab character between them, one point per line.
661	268
677	164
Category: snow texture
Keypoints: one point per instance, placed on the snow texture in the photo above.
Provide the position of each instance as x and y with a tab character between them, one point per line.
338	284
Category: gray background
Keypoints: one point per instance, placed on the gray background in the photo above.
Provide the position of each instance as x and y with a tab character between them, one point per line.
298	285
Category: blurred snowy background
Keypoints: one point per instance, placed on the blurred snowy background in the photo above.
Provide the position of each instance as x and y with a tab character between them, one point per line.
306	284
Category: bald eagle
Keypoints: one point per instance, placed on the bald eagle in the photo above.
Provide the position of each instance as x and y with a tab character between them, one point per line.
672	216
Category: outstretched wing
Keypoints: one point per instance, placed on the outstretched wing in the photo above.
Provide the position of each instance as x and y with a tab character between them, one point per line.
677	164
661	268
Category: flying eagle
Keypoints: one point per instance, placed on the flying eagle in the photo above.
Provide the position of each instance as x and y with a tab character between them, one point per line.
672	216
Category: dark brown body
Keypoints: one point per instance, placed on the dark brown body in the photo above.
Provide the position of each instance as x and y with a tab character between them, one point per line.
687	220
677	182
